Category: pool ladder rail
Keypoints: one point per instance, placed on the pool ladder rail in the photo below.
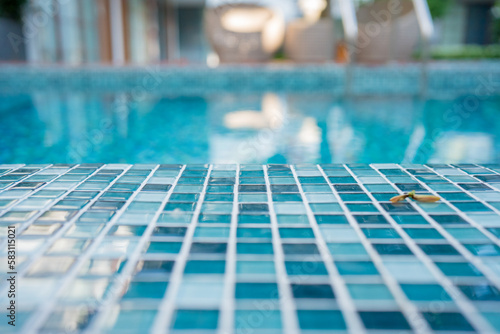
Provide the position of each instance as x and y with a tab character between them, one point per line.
350	25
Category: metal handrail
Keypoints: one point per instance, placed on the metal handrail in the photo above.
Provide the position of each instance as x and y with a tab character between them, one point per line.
350	24
349	21
424	19
426	26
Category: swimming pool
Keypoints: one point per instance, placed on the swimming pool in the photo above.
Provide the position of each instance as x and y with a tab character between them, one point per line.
122	224
251	114
267	127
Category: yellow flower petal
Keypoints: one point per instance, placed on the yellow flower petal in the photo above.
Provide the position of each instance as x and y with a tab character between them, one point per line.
426	198
399	198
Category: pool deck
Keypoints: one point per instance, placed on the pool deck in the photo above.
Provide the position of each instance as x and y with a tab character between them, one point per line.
244	248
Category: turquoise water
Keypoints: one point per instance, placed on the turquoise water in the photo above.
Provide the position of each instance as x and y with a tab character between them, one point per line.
268	127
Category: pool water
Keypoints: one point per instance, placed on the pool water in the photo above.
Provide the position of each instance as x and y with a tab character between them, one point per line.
267	127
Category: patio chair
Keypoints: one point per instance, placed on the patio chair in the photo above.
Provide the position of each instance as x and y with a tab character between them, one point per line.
244	32
310	38
310	42
384	36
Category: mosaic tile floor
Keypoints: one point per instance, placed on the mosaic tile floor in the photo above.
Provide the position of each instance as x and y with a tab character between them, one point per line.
251	248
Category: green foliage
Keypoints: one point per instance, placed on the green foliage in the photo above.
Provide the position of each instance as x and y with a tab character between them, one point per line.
496	22
466	52
12	9
438	8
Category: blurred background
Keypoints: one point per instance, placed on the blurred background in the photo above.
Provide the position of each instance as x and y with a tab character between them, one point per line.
190	31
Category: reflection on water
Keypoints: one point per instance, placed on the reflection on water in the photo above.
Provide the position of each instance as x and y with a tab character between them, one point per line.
245	128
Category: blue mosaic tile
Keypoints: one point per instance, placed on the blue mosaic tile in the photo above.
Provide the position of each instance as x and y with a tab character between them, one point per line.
197	248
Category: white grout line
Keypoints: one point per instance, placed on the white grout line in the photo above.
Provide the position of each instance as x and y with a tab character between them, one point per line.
475	260
410	311
14	166
17	200
288	308
465	306
39	211
226	318
128	270
487	233
44	310
166	310
487	168
342	296
54	201
17	167
49	240
497	211
287	305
